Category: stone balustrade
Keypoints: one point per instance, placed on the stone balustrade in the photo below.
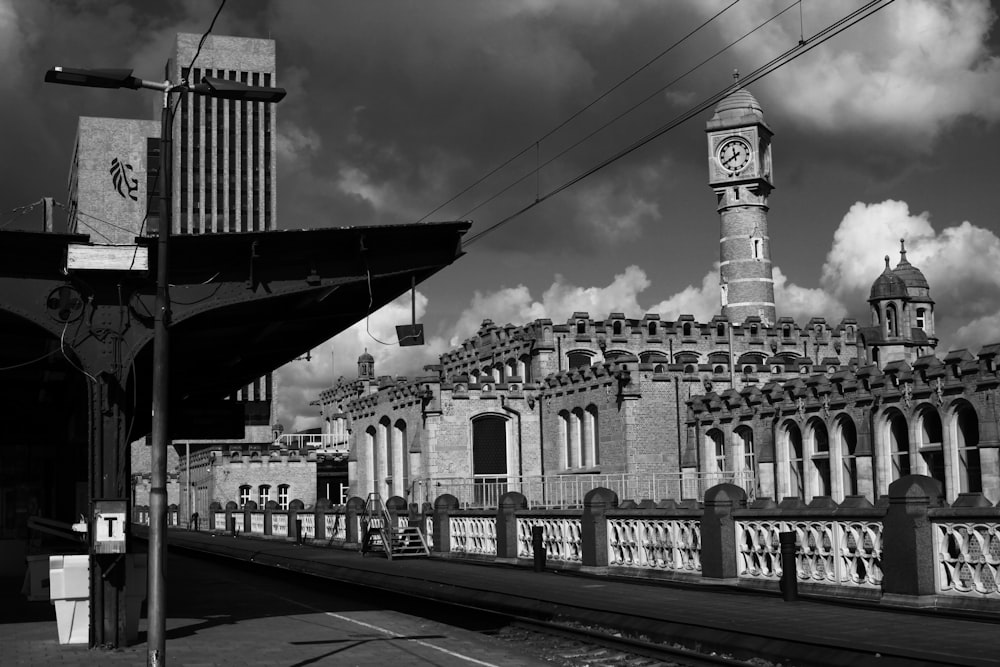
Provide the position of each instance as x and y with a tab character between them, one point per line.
911	548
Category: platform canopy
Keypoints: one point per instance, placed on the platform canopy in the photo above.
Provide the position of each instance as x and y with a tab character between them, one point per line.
242	304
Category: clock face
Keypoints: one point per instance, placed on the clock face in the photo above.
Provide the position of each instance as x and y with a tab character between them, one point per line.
734	155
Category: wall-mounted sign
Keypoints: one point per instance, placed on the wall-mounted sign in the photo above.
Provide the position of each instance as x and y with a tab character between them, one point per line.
109	526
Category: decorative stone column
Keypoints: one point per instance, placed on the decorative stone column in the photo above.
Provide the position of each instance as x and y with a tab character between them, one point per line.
718	531
594	526
355	507
444	505
509	504
908	559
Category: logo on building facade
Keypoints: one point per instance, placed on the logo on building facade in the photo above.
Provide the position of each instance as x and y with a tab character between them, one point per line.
121	176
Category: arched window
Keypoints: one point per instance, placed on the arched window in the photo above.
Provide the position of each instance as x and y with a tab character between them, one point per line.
892	326
796	469
400	458
591	437
386	469
651	328
847	441
715	453
659	368
565	438
263	495
743	452
575	454
616	328
489	459
718	370
965	435
898	442
720	330
786	331
819	446
283	496
875	356
686	329
512	369
581	327
930	444
753	329
524	367
579	359
689	369
245	491
372	457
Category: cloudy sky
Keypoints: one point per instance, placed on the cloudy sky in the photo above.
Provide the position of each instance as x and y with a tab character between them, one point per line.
888	130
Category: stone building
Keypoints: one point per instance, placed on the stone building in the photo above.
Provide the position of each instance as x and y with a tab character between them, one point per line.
657	408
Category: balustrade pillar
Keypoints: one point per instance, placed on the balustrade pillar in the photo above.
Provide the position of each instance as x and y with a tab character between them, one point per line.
509	503
355	507
396	507
908	559
443	506
319	519
719	549
594	526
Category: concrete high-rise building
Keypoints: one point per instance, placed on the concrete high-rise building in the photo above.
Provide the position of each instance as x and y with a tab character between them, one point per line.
739	167
224	153
224	150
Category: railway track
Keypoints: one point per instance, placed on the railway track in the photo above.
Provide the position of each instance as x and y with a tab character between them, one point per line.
571	645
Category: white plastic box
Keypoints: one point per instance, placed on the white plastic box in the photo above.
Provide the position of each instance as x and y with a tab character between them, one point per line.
69	590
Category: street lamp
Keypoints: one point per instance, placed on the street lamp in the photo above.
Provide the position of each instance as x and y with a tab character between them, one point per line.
210	87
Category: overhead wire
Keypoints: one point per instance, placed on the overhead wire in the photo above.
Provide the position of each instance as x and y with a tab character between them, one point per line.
621	115
580	111
776	63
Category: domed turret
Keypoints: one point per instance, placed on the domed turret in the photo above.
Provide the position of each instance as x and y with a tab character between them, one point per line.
888	285
910	275
737	105
366	366
902	314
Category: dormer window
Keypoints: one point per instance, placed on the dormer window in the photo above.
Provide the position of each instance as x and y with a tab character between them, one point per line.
581	326
687	329
616	328
753	329
786	331
652	328
720	330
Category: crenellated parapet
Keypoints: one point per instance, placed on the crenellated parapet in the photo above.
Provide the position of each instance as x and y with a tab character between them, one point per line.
857	429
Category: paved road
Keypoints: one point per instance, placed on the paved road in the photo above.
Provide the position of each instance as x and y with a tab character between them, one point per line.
224	615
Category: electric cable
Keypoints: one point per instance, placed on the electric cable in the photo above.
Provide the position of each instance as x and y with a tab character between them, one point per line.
580	111
788	56
624	113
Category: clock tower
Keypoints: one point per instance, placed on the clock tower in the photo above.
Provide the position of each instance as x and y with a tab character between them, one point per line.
739	171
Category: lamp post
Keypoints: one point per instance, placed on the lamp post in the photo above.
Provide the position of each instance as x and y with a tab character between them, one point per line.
210	87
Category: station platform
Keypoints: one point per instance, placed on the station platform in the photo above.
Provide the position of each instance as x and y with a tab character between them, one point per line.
218	616
807	631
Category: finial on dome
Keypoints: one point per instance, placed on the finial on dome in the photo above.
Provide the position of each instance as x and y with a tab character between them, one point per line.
887	262
736	75
902	250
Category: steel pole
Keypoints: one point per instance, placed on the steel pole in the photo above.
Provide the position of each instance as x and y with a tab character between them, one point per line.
156	640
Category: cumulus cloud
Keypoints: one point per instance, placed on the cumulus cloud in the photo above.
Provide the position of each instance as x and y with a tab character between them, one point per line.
909	71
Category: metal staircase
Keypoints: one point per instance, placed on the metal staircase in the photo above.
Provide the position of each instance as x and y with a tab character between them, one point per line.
379	534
